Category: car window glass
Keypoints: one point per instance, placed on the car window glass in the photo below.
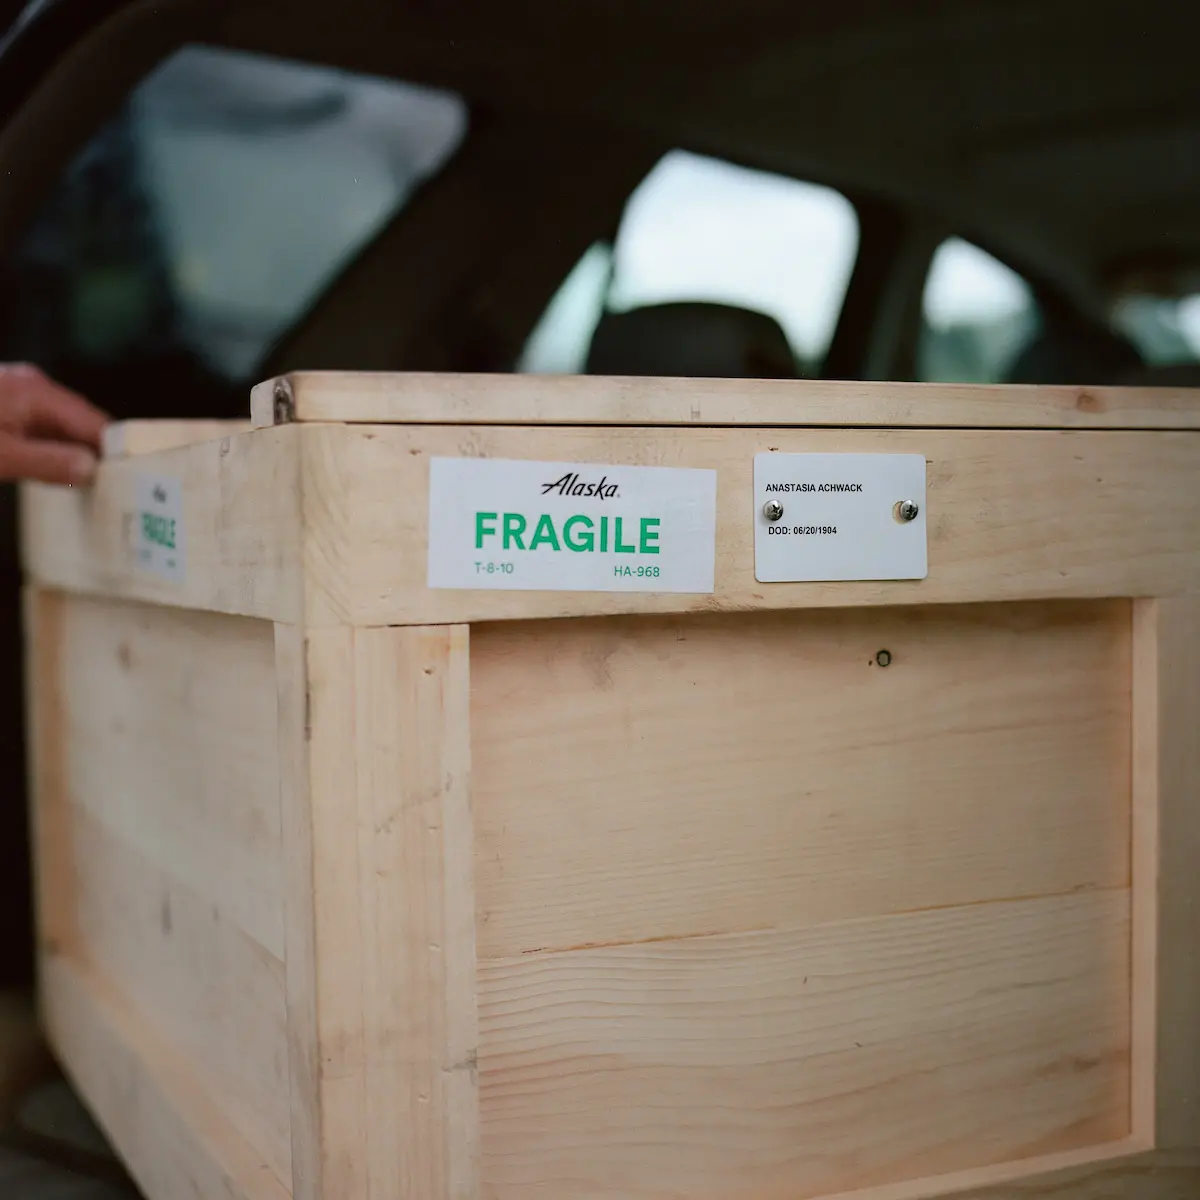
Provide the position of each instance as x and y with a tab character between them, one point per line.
977	314
206	217
1165	329
699	229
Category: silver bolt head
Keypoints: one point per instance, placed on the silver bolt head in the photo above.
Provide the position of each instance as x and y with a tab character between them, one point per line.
772	510
907	510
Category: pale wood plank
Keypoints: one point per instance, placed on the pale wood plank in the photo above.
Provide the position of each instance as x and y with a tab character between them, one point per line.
1018	515
1114	1171
1164	1175
124	439
377	824
647	778
241	518
50	828
474	399
325	1027
176	1140
418	912
798	1063
168	725
1144	868
206	989
168	851
1167	884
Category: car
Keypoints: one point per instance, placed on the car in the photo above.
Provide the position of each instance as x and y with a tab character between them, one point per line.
198	194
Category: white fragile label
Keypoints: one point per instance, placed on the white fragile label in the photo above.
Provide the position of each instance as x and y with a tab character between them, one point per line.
158	536
828	517
570	527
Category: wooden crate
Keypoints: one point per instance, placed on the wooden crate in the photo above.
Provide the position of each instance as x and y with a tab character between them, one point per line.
354	887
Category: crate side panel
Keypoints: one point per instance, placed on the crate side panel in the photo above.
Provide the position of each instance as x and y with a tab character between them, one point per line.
657	778
173	841
1011	516
807	1062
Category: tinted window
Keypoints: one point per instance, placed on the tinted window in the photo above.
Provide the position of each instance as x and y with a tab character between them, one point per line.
1165	329
698	229
202	221
977	314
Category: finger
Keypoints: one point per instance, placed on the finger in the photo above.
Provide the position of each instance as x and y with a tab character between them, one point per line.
45	462
33	404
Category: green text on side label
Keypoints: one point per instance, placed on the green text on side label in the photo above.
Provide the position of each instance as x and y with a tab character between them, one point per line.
158	530
580	533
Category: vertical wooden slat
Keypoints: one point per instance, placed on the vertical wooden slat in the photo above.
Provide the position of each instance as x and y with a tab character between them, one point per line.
418	911
1166	872
50	824
325	1055
380	912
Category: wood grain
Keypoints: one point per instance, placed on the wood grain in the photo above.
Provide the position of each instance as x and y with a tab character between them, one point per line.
169	838
797	1063
50	825
177	1141
209	991
315	681
418	912
1167	883
241	513
1018	515
168	730
474	399
328	523
1164	1175
377	821
124	439
653	778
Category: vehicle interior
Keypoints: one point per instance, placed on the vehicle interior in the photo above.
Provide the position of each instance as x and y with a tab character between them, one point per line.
199	194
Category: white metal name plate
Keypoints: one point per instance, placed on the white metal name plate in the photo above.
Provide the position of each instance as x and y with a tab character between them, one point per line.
830	517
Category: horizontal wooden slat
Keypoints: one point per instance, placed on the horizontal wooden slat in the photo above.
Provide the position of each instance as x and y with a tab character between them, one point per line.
176	1140
664	778
328	523
1161	1175
799	1063
474	399
206	988
1011	516
124	439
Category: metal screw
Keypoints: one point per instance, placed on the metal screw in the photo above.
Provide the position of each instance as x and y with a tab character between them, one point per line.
772	510
884	658
285	408
906	510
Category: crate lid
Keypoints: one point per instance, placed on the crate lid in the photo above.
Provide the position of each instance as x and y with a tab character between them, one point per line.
477	399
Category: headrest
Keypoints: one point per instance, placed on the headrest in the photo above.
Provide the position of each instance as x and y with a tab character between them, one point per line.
691	339
1181	375
1088	357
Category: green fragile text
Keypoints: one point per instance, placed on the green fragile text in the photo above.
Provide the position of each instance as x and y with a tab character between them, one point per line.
159	531
584	535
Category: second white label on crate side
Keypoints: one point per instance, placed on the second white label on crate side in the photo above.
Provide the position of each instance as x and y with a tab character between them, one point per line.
573	527
839	517
157	533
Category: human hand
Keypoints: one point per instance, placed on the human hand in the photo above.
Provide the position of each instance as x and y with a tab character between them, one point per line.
47	433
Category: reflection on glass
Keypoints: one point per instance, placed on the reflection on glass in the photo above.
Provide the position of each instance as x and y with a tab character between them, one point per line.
977	314
202	221
698	229
1165	329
